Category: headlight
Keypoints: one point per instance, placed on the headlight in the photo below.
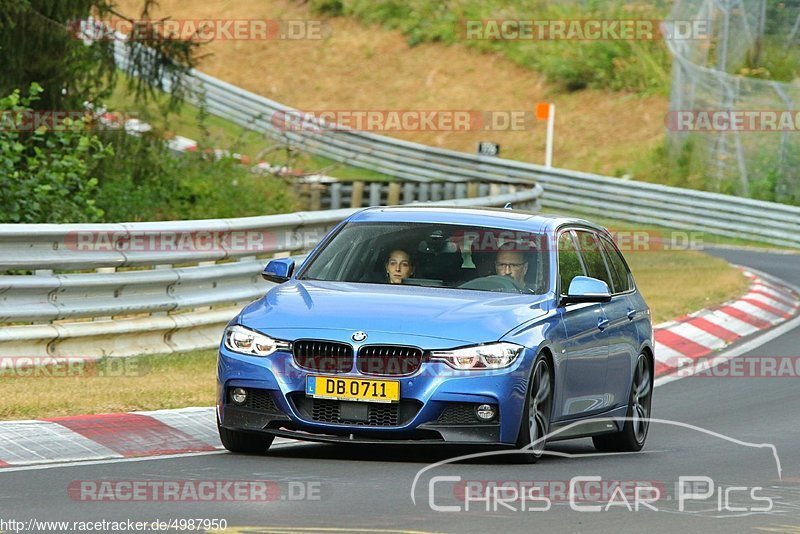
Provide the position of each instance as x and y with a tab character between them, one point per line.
245	341
492	356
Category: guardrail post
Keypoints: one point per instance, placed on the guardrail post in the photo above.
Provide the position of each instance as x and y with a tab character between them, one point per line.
303	195
408	192
99	270
316	197
375	194
461	190
436	192
494	189
393	198
423	191
163	266
449	190
336	195
356	198
472	190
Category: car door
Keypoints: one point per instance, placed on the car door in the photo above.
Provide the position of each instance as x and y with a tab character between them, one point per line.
623	311
585	348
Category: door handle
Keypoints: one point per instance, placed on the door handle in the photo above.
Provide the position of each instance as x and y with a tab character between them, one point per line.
602	323
631	314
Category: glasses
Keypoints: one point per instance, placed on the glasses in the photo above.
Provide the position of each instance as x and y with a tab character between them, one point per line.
504	266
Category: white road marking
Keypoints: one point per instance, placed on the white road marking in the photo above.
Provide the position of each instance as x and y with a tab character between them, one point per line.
36	467
26	442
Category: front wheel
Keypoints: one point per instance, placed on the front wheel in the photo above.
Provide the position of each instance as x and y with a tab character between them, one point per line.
244	442
535	423
634	433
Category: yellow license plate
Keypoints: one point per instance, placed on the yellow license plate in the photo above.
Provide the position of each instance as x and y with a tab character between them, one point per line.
353	389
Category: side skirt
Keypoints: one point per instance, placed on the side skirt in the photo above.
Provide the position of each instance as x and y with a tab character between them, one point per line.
604	423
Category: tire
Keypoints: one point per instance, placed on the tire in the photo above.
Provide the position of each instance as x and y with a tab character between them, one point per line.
637	422
535	421
244	442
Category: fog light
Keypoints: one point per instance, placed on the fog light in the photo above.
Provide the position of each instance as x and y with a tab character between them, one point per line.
239	395
485	412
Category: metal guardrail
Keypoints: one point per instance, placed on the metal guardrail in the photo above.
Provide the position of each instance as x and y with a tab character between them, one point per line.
172	296
641	202
146	292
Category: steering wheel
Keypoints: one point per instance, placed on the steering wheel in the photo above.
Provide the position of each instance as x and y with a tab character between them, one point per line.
493	282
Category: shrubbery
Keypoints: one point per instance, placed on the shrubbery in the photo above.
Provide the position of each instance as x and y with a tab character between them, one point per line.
78	174
150	183
47	176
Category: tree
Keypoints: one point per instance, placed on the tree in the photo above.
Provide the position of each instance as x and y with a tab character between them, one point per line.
40	42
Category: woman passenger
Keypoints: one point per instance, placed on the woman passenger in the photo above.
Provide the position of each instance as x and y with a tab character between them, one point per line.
399	266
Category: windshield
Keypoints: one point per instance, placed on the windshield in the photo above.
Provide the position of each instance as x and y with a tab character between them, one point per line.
434	255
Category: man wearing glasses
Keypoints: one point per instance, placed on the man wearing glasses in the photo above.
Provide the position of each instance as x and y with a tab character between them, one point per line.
511	262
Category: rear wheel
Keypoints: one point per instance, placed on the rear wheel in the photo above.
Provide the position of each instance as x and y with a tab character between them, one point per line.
535	423
244	442
634	433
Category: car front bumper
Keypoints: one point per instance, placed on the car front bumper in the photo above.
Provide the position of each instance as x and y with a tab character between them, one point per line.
434	403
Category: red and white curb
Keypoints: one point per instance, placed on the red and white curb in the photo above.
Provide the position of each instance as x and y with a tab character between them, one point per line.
193	430
110	436
680	343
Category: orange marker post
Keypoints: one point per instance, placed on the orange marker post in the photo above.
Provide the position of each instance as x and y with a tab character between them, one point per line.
546	111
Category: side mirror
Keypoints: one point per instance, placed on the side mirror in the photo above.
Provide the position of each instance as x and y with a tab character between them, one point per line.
586	289
279	271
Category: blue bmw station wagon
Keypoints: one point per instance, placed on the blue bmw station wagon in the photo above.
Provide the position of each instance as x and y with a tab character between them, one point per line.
424	324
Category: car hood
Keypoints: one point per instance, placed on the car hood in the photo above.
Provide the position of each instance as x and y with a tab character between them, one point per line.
335	310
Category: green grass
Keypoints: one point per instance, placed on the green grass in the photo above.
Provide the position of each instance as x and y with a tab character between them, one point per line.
641	66
139	383
216	132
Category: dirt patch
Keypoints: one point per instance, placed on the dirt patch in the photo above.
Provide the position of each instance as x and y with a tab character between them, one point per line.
365	68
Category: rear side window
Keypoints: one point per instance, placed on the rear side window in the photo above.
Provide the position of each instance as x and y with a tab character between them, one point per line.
569	261
593	257
619	270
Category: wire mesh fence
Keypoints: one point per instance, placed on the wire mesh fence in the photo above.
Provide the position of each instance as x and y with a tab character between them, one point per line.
735	96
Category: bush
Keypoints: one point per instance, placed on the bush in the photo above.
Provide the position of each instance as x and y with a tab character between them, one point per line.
147	182
66	175
47	175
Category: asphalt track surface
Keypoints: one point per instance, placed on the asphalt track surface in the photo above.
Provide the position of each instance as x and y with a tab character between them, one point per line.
712	426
